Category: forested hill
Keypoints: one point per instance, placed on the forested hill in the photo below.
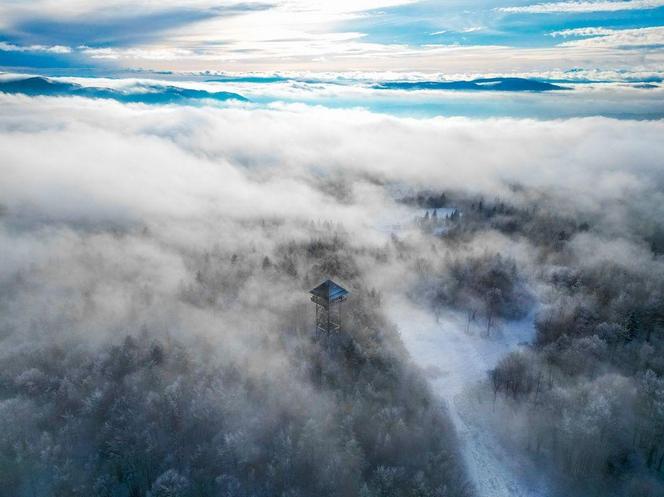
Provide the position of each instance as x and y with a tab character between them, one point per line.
211	384
144	93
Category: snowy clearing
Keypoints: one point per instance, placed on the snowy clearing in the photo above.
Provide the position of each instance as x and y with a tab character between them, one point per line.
456	361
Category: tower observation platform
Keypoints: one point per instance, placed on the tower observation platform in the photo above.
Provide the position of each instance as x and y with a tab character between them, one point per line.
328	297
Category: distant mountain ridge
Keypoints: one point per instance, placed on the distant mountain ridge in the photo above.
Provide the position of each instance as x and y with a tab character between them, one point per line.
483	84
143	93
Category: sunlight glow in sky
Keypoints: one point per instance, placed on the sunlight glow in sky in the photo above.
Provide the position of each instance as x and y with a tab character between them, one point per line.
445	36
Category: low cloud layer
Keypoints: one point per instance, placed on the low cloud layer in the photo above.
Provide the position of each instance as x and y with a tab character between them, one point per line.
194	177
69	157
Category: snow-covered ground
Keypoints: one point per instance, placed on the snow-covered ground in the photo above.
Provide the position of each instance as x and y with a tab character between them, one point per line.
457	361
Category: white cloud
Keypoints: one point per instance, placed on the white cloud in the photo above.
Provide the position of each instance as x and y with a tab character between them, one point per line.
148	164
61	10
270	30
584	6
344	53
616	39
303	35
79	9
115	194
565	33
57	49
136	53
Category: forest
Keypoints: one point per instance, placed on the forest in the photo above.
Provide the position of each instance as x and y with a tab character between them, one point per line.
586	398
180	408
156	328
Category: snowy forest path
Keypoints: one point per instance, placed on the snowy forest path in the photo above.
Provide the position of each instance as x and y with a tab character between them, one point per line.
456	361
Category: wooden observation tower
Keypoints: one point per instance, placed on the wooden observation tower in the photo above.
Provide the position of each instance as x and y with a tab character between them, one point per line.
328	297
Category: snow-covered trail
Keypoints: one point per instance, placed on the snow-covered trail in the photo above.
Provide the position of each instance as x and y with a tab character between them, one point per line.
460	360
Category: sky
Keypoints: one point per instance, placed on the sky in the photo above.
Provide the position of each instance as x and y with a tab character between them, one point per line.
94	37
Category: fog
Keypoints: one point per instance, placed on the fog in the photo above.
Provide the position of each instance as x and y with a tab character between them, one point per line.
242	152
156	328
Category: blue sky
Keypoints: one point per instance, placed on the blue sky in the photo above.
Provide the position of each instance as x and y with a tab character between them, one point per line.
444	36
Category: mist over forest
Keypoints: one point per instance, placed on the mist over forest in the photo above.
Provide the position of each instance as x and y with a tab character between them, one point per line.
156	330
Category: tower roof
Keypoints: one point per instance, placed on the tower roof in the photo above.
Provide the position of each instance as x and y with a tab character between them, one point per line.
329	291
